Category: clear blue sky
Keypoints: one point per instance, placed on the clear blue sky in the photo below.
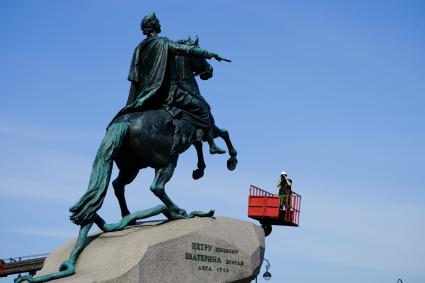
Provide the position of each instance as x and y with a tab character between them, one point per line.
330	91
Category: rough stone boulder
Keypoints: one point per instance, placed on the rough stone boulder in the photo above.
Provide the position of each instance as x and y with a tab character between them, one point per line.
190	250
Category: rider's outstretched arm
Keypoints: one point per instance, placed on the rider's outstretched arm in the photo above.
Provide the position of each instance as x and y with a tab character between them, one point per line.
186	50
189	51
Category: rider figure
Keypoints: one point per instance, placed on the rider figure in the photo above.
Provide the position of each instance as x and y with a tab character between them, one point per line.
285	190
151	84
187	98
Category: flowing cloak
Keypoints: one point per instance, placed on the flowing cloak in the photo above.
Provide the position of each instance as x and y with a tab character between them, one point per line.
147	72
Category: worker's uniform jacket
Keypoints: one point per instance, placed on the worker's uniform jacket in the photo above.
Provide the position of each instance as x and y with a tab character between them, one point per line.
285	191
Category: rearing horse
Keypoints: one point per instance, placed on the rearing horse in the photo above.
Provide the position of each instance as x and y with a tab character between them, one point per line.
151	138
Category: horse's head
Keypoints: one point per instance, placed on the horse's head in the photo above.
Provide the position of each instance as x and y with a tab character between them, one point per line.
192	65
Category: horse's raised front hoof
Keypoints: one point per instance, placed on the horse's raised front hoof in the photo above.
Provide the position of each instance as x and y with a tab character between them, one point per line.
231	163
197	174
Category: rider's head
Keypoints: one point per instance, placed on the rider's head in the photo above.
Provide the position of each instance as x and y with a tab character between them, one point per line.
150	24
283	174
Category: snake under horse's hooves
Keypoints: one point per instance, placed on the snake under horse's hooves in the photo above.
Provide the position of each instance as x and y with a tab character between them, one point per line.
67	268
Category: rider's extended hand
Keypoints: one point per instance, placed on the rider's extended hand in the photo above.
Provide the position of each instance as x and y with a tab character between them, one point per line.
219	58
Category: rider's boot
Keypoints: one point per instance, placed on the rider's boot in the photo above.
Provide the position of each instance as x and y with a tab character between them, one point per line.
214	149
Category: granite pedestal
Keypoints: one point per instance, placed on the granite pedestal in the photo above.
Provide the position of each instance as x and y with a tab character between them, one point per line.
190	250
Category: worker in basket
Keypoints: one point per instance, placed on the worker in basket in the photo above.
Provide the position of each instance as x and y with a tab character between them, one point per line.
285	191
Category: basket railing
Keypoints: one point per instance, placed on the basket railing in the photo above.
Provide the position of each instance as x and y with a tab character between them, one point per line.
292	208
257	192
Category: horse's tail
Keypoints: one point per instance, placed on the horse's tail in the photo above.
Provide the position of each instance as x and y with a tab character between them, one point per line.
83	211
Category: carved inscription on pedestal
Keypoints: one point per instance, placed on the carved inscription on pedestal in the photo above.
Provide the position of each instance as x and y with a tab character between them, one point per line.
210	258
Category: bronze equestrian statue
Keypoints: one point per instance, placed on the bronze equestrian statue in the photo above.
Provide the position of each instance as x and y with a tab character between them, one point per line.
164	116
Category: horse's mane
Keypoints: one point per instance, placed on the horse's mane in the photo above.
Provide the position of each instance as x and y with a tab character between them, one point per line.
190	41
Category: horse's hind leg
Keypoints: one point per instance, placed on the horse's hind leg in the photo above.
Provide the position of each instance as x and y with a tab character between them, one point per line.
162	176
124	178
199	172
224	134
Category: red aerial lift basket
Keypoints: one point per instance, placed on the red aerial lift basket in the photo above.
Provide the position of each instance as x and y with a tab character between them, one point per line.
267	208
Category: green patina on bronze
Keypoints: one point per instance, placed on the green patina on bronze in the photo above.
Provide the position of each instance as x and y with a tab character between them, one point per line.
164	116
84	210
